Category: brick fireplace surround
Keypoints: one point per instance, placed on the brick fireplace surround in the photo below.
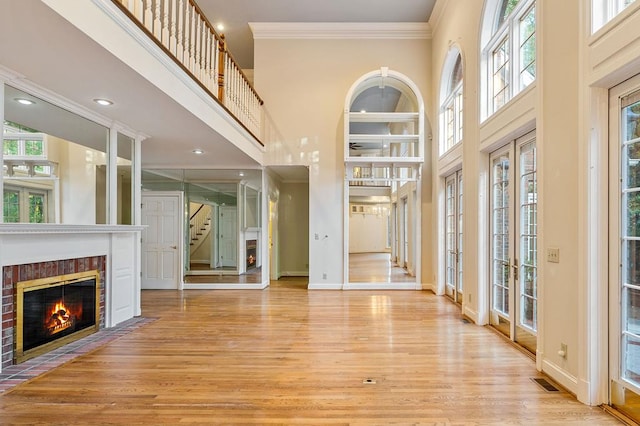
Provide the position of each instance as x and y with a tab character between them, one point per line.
15	273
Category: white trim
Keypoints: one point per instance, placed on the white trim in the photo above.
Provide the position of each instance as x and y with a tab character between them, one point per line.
471	313
560	375
294	273
324	287
341	30
382	286
221	286
56	228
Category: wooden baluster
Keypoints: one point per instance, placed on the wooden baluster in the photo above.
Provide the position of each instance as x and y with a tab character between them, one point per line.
207	59
157	23
137	9
198	42
215	64
172	30
148	15
165	24
222	64
187	36
192	40
180	40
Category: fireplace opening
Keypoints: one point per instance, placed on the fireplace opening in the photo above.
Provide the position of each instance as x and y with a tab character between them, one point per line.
54	311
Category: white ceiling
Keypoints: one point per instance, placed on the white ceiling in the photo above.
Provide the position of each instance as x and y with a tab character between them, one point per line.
236	15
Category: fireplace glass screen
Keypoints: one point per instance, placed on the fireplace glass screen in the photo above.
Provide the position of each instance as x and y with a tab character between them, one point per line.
54	311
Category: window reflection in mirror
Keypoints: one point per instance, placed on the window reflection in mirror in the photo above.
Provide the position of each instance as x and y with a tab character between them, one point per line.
52	159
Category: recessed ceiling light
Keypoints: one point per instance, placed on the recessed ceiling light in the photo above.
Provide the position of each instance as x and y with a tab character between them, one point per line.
24	101
198	151
220	27
241	174
363	110
103	102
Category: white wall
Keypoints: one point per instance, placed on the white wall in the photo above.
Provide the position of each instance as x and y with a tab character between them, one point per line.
304	84
293	215
367	230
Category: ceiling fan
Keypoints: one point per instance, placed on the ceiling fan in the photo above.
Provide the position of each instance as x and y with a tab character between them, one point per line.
354	146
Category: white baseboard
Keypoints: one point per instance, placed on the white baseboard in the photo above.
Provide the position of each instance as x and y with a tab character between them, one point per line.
472	314
222	286
294	273
381	286
429	286
325	286
561	376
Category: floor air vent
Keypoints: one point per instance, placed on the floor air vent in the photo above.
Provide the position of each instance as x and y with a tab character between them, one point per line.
546	385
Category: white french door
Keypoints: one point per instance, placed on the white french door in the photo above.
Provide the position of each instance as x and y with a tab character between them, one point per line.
513	269
453	237
624	247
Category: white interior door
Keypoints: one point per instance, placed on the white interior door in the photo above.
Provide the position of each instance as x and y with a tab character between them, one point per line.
161	240
228	236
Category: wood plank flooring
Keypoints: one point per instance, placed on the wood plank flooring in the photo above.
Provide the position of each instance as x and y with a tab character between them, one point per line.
376	268
287	355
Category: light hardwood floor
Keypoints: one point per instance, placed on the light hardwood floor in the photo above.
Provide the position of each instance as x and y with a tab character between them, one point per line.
287	355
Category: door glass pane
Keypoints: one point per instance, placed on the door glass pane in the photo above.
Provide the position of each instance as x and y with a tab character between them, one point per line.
630	241
500	246
460	246
528	237
450	237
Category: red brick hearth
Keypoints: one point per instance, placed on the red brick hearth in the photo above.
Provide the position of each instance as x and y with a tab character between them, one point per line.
16	273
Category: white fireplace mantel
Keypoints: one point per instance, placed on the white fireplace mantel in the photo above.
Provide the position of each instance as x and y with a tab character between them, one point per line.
32	243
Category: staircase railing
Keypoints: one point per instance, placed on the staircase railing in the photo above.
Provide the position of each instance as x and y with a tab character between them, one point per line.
199	225
181	29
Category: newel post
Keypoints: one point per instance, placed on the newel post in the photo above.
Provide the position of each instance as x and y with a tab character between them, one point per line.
222	64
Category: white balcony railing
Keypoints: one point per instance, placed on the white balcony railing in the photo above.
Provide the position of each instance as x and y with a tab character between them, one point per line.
185	33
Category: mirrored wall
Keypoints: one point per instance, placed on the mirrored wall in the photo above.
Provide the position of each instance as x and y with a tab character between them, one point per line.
222	225
55	165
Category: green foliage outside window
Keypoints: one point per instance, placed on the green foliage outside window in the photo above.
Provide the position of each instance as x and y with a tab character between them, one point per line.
36	208
11	207
505	10
11	147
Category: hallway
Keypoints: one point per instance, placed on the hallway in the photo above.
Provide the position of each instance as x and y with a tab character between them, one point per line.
286	355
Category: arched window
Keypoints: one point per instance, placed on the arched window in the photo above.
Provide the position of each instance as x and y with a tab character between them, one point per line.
509	49
451	104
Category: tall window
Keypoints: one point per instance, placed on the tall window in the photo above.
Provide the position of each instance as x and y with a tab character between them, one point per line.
510	52
451	107
605	10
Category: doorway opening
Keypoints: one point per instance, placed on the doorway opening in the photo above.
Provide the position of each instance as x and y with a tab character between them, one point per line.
384	153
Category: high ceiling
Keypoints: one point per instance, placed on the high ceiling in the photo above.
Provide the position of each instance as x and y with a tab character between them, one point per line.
235	16
55	55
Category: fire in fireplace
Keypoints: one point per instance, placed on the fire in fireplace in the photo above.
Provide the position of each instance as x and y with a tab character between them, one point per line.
54	311
251	253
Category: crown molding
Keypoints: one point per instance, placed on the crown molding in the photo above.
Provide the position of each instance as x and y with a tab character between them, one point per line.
341	30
